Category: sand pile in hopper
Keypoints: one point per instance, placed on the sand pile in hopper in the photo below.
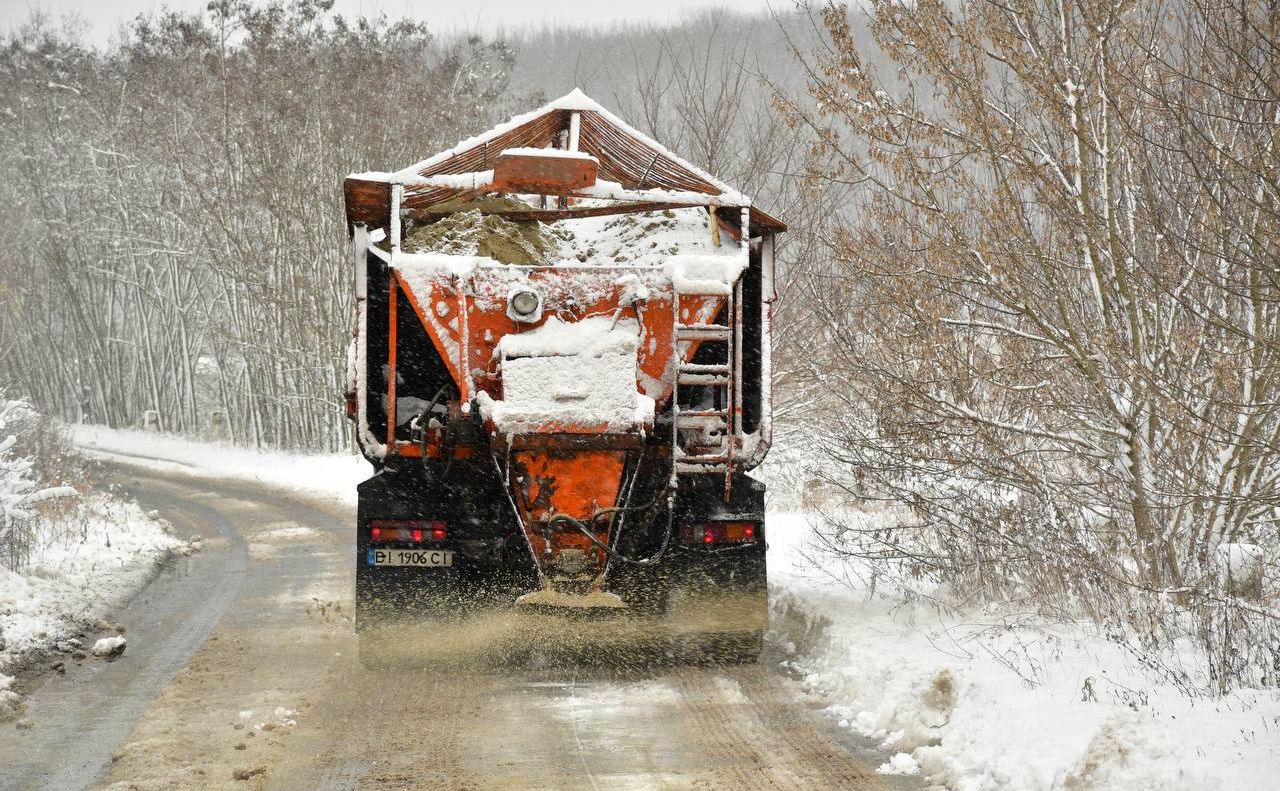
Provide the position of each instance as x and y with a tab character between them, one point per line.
468	231
646	239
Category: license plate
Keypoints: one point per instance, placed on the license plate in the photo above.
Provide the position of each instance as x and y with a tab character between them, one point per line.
410	557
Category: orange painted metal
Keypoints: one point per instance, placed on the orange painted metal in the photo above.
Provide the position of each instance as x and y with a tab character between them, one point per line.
563	468
437	333
486	321
434	449
575	483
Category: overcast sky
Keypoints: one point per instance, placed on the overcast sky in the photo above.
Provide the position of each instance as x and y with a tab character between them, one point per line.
103	17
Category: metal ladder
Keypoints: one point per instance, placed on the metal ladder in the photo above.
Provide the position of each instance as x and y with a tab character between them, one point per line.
725	378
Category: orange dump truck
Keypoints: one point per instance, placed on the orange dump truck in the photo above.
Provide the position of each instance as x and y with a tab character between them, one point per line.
560	370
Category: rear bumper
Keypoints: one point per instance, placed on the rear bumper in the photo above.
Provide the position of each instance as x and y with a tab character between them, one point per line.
492	564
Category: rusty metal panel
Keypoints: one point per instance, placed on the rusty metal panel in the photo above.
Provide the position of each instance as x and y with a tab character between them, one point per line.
545	174
368	202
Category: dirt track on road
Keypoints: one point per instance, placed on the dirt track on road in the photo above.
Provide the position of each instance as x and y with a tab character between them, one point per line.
275	698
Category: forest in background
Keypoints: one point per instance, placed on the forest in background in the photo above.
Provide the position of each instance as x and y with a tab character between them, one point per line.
1028	299
181	190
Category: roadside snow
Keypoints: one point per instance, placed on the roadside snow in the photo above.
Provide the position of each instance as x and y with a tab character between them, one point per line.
10	702
70	559
983	702
82	567
327	476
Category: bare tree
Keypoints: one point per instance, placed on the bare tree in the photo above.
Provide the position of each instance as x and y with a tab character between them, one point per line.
1054	323
178	200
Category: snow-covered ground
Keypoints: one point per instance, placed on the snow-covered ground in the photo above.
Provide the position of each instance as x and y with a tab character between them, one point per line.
330	477
974	704
83	565
89	553
965	701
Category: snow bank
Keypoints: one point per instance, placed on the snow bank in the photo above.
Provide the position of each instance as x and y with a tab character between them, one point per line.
79	559
85	563
981	702
10	702
327	476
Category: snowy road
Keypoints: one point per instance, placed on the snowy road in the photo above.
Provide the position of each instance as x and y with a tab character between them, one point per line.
241	673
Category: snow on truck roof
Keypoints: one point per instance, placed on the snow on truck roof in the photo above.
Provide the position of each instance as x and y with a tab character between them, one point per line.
631	166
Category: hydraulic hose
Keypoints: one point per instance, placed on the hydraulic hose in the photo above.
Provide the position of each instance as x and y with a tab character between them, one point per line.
610	551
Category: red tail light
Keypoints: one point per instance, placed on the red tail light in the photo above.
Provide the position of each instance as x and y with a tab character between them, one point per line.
407	530
708	533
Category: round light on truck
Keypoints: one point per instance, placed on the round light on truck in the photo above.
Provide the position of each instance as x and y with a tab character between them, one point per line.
525	303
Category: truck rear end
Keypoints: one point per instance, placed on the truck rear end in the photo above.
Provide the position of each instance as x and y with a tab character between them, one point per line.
560	371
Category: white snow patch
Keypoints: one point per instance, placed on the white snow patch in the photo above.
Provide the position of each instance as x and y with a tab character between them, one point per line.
11	706
82	567
899	764
704	274
612	190
471	180
730	690
565	374
639	240
296	531
109	646
420	270
593	336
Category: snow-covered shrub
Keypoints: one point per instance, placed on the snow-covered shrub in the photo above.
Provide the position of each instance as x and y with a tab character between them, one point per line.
20	488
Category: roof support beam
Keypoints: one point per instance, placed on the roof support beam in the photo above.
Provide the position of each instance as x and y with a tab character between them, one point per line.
553	215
